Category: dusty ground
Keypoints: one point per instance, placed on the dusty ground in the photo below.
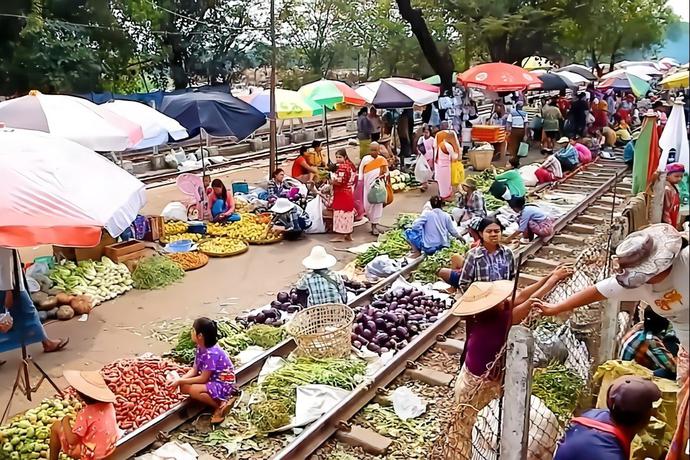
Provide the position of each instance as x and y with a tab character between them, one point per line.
119	328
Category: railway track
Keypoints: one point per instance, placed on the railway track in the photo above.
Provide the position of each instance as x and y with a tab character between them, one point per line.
587	200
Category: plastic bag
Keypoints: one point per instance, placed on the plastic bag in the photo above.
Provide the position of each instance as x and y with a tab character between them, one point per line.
314	209
406	404
523	150
528	174
378	193
170	161
6	322
457	173
175	211
381	267
422	171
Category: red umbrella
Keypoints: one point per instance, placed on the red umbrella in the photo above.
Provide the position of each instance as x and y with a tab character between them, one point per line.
498	76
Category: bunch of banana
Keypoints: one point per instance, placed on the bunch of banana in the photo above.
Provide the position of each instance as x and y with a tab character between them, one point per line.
215	229
174	227
222	246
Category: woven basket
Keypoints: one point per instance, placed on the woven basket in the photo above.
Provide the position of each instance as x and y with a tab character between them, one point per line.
277	239
322	331
227	254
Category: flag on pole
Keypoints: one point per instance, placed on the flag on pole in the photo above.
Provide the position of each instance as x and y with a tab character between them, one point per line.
646	158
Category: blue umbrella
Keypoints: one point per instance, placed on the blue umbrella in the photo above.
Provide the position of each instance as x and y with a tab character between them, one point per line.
219	114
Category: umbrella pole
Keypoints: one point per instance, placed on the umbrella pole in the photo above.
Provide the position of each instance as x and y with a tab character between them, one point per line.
203	163
328	147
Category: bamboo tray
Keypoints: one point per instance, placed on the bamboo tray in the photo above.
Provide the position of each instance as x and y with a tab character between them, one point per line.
203	262
227	254
266	241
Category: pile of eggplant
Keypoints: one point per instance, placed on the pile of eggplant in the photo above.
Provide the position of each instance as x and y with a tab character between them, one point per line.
288	302
391	321
356	287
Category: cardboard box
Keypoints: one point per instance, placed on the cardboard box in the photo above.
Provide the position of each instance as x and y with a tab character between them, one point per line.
77	254
116	252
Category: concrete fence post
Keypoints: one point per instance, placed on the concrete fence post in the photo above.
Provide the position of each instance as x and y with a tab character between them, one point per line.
609	328
516	394
657	206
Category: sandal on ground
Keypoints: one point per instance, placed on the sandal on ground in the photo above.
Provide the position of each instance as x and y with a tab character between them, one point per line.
220	413
63	343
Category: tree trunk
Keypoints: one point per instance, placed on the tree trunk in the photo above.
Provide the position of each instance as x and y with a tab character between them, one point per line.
441	62
466	47
614	51
595	62
369	53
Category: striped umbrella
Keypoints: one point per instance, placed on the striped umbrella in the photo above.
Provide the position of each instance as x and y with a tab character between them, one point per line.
398	93
289	104
71	118
330	92
647	153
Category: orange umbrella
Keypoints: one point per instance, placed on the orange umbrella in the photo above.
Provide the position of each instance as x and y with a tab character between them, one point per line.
498	76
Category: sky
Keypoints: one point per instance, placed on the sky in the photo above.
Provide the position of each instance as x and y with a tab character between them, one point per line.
681	7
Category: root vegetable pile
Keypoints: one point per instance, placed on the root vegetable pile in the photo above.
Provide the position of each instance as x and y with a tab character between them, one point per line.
222	246
156	272
26	436
250	228
189	260
100	280
141	389
390	322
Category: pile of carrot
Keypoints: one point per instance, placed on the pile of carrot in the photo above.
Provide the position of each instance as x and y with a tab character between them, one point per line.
141	389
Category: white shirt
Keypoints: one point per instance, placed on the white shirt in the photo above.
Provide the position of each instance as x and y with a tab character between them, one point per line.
7	270
668	298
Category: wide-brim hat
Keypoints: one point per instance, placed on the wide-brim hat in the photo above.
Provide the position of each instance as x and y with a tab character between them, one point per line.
282	205
563	140
91	384
646	253
319	259
481	296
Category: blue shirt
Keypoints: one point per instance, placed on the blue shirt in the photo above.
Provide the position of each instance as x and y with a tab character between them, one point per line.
583	443
629	152
569	153
436	226
531	212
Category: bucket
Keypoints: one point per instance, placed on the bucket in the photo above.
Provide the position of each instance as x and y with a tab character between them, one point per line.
481	159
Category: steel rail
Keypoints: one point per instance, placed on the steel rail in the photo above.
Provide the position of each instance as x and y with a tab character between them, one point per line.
328	424
145	435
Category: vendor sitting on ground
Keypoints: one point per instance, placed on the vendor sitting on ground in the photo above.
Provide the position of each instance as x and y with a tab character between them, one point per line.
211	380
584	155
509	183
432	230
608	433
301	169
221	203
322	284
94	432
533	221
653	344
289	219
277	187
472	208
549	171
315	154
490	312
567	155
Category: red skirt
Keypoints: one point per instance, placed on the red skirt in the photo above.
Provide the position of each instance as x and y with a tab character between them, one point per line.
343	199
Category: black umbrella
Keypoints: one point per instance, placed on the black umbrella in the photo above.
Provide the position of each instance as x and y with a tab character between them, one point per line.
581	70
218	114
552	81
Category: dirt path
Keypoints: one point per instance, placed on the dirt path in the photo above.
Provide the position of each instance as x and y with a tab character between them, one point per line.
119	328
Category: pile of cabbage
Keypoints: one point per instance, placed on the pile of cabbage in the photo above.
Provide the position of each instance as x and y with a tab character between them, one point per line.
100	280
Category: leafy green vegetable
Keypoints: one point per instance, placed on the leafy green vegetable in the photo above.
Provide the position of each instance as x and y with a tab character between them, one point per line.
405	220
559	388
156	272
429	267
265	336
392	243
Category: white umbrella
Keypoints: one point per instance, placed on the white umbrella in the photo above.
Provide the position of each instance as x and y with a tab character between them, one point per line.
156	127
574	78
675	136
580	70
72	118
638	71
55	191
628	64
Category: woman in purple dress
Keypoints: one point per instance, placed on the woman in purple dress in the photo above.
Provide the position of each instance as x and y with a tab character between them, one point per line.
212	378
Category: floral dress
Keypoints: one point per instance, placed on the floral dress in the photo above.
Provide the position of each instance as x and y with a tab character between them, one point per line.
221	385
